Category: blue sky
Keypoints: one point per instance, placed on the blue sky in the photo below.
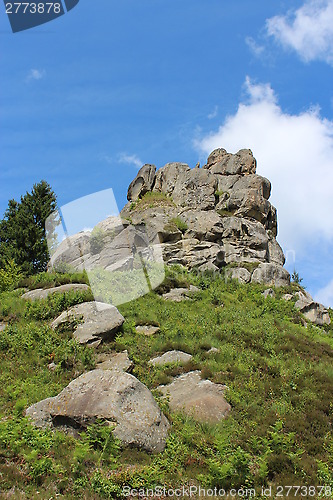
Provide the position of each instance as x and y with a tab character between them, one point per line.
88	98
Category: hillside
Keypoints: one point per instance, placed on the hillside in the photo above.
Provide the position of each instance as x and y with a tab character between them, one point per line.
167	347
278	373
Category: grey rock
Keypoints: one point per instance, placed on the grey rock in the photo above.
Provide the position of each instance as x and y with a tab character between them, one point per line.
271	274
238	273
213	350
147	330
287	297
110	395
41	293
269	292
221	162
170	357
312	311
71	251
195	189
179	294
99	321
116	361
167	176
275	253
2	326
199	398
203	224
52	367
142	183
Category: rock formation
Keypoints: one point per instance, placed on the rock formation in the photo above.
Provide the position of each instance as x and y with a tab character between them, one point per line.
204	218
112	395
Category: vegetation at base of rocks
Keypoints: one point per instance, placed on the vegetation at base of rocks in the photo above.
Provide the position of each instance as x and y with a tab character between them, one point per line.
56	303
278	373
50	280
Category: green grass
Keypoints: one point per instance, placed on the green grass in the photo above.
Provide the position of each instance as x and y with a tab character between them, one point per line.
280	384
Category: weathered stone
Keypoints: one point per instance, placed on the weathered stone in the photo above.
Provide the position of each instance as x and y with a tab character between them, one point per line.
269	292
203	224
147	330
221	162
99	321
41	293
110	395
312	311
287	297
238	273
271	274
142	183
115	361
170	357
71	251
213	350
275	253
167	176
2	326
179	294
195	189
199	398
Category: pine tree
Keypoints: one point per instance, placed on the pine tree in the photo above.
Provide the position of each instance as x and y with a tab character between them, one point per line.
22	231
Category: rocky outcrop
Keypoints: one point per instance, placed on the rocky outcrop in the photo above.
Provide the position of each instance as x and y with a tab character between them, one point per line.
115	397
202	399
204	218
92	321
143	182
312	311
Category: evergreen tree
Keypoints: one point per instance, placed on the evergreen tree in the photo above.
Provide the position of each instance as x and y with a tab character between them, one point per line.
22	231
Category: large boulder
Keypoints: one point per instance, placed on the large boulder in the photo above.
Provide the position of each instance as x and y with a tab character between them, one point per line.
71	251
142	183
271	274
41	293
312	310
240	274
167	176
94	321
113	396
199	398
223	163
195	189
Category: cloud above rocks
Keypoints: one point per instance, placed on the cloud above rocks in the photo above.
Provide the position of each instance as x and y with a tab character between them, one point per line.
295	151
308	30
130	159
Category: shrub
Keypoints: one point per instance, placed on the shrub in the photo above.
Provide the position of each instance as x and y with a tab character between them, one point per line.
10	276
180	224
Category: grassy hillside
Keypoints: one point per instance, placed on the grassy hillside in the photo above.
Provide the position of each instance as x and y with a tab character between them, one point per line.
279	376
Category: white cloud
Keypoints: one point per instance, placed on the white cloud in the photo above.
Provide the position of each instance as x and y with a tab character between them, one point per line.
325	295
308	30
35	74
130	159
295	152
254	47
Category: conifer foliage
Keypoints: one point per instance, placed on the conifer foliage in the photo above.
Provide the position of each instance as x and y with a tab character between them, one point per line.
22	230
